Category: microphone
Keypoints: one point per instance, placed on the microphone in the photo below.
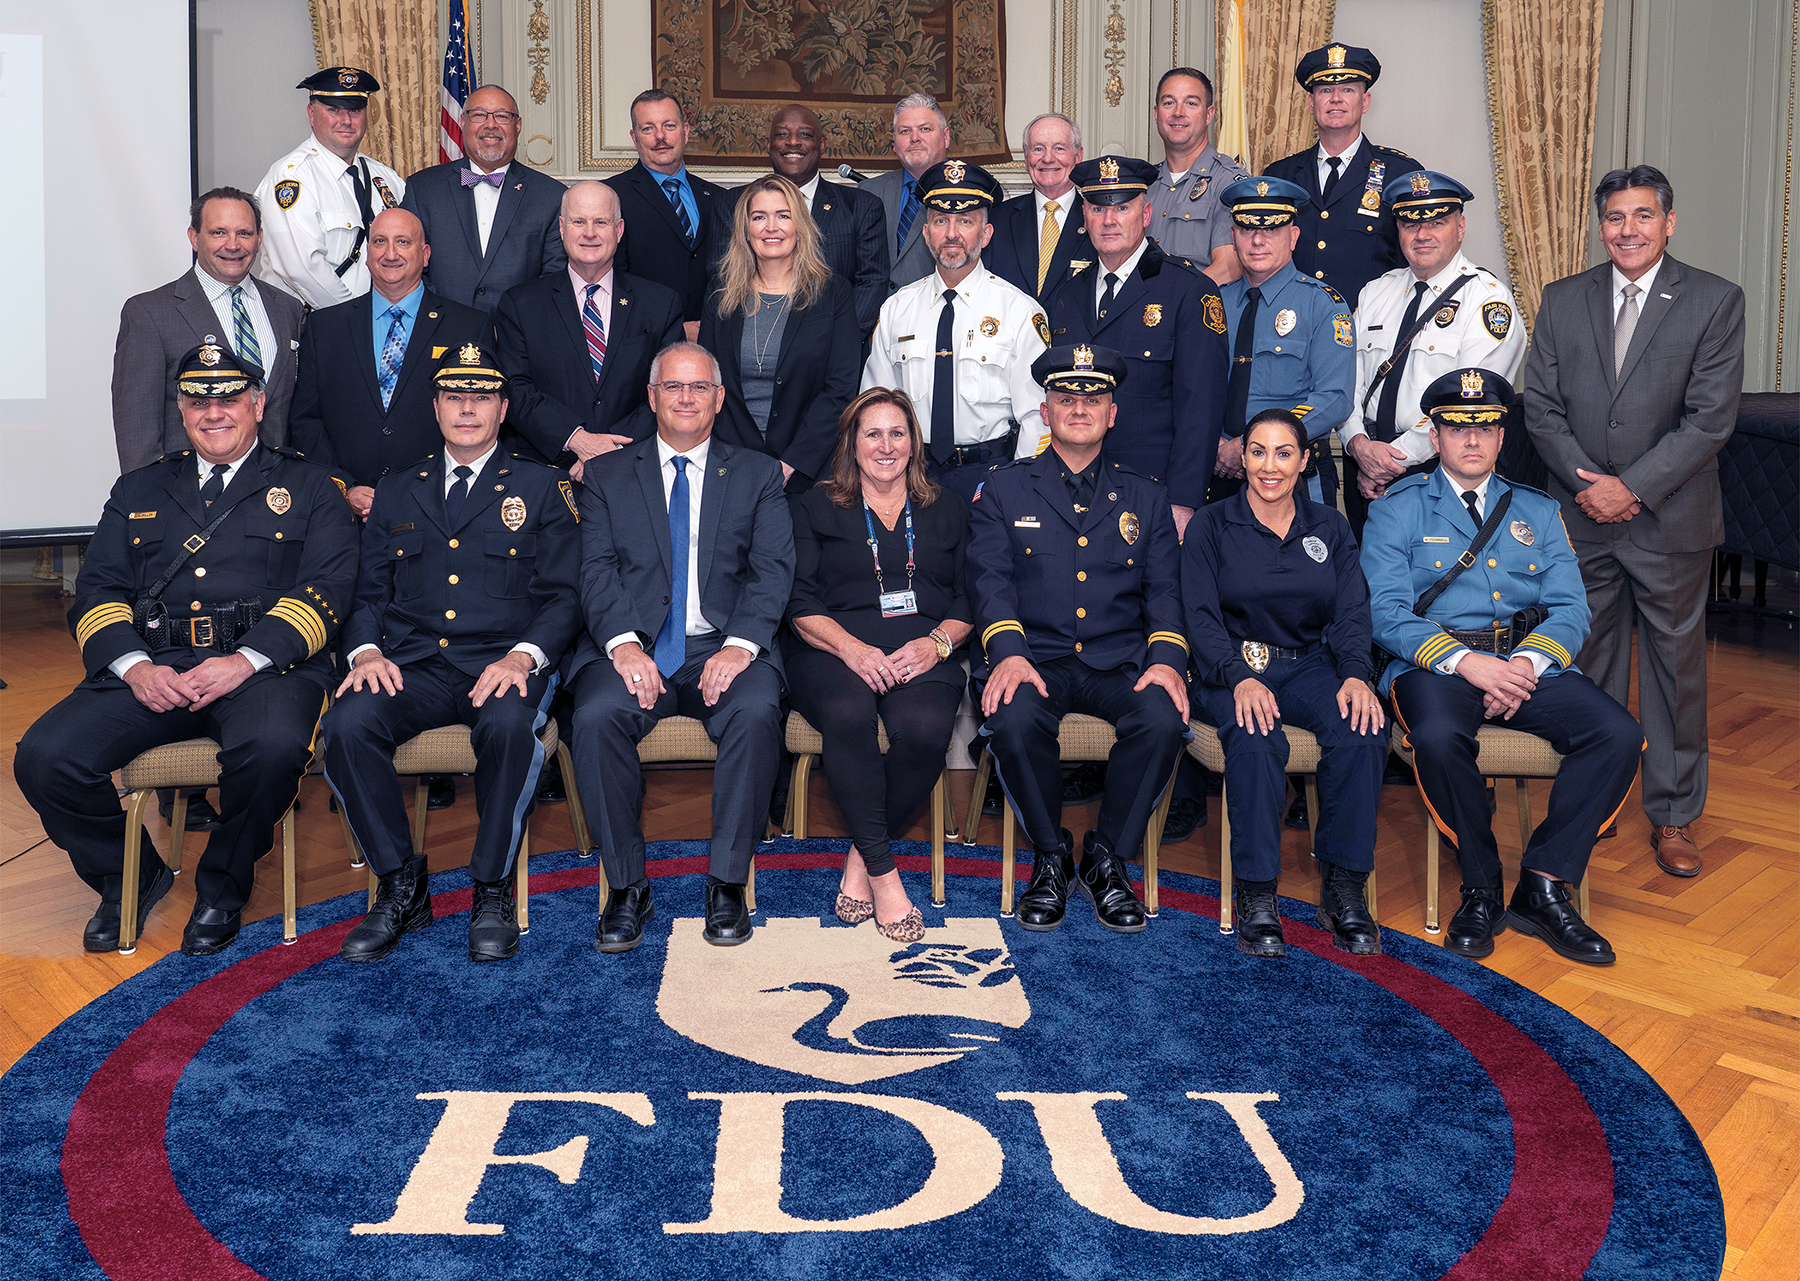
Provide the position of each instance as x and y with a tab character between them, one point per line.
845	171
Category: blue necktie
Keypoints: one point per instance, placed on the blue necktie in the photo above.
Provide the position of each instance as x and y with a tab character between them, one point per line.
671	641
908	212
393	353
459	490
673	187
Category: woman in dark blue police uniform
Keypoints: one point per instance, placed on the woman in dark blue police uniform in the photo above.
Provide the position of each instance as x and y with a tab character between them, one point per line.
1278	613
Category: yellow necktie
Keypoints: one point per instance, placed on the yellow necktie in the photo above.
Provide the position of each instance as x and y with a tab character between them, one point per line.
1047	242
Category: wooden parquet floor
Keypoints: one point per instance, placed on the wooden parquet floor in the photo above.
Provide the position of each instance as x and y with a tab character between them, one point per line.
1706	994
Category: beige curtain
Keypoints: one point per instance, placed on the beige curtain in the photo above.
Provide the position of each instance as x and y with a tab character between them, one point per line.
1275	34
397	42
1543	59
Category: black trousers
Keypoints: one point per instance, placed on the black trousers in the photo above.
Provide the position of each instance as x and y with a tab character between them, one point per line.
365	726
1022	734
265	730
877	794
745	723
1599	741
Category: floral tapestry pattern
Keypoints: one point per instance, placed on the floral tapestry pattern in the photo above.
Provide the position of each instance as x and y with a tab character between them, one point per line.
732	62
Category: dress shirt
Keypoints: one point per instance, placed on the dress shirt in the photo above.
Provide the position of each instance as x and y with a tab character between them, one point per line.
1124	273
602	304
203	473
487	199
696	472
379	306
810	190
218	293
1540	663
683	191
1067	204
1346	158
1643	282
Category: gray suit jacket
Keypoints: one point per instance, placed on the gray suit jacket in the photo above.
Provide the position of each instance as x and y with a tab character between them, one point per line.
156	330
523	243
913	262
1660	424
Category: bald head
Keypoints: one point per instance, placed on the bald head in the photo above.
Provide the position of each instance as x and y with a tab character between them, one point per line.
397	253
591	226
795	140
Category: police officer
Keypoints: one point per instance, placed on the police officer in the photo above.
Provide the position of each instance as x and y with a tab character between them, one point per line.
319	199
467	598
1453	315
1278	615
1347	235
1492	644
1166	321
960	341
1292	338
1189	221
215	580
1073	572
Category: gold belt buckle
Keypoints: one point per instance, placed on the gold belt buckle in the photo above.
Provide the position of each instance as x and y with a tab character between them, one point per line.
200	632
1498	633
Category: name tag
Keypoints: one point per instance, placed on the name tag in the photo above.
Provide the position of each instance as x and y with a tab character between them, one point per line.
898	604
143	515
401	529
904	338
1369	329
1027	522
1430	539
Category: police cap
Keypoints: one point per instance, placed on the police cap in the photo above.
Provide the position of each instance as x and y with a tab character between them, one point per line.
1337	64
341	86
213	369
1113	180
956	186
1466	397
1080	368
469	367
1425	194
1264	202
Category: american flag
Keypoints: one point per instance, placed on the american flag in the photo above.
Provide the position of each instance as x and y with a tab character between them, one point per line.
459	77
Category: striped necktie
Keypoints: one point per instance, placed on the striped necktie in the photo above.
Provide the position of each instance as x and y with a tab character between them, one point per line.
595	330
393	353
673	187
908	212
243	332
1047	241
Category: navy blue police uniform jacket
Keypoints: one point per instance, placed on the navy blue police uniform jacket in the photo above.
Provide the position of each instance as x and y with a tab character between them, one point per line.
1352	238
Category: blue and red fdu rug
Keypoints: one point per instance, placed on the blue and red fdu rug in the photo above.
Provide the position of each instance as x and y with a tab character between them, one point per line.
987	1104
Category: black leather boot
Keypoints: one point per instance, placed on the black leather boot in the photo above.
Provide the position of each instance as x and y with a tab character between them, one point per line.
1044	901
1344	910
402	905
1104	883
1258	919
493	922
1477	922
1540	907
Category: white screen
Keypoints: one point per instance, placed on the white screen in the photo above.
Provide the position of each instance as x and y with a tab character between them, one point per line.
94	103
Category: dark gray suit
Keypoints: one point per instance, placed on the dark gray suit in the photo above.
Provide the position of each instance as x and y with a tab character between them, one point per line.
156	330
745	572
1658	426
913	261
523	243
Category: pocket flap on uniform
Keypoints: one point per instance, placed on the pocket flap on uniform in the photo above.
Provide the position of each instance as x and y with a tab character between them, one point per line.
512	546
400	546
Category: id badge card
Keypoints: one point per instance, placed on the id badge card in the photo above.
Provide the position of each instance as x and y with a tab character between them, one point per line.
898	604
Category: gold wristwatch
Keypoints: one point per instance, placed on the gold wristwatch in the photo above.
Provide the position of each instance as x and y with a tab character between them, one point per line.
943	644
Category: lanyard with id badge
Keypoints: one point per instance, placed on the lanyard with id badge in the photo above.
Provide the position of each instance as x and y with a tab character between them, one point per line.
893	604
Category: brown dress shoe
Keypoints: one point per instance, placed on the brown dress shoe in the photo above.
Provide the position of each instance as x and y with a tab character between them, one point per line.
1676	852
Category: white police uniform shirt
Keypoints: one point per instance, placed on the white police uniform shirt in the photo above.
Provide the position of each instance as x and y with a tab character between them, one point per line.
1482	331
306	238
998	331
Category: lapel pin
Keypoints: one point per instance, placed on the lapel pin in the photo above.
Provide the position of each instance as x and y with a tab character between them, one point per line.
721	471
431	315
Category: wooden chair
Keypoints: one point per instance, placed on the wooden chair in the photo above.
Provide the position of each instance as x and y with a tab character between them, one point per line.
682	740
193	762
1078	738
807	744
1303	761
1499	753
448	750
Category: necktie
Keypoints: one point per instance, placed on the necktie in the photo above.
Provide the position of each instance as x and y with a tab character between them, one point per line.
1385	427
215	484
362	195
1047	241
1106	295
596	332
243	332
459	490
1237	390
1624	327
673	187
943	383
470	178
1469	498
671	641
1331	163
1081	489
908	212
393	352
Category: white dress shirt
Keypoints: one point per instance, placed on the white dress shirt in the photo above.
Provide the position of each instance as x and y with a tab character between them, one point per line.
1066	204
810	190
487	199
1346	158
1124	273
602	304
218	293
1643	282
1540	663
696	470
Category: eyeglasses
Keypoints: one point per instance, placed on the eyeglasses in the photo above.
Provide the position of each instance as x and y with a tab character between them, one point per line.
482	117
675	389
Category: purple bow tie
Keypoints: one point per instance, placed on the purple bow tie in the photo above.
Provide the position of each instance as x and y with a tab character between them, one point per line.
470	178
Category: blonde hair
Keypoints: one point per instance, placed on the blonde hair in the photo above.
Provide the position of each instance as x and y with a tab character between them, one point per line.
737	269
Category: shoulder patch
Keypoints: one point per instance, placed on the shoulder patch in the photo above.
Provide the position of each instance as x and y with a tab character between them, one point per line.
976	496
287	191
1497	318
1343	330
387	197
342	488
1212	310
569	497
1042	325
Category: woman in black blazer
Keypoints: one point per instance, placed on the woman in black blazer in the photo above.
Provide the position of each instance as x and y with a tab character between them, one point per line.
874	631
783	329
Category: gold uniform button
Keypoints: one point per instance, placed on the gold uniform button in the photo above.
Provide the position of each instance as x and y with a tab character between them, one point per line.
1437	564
201	572
1492	562
194	605
1319	274
136	541
1496	595
278	534
1081	613
454	580
1534	569
450	613
512	551
443	644
454	543
1081	576
1082	541
400	551
1130	561
1028	551
1077	647
1324	213
1146	355
1321	244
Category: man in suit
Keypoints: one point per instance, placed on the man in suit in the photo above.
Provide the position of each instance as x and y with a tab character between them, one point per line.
467	592
490	222
1040	237
1191	222
687	564
921	140
1631	390
576	345
676	218
1347	234
363	401
219	297
849	219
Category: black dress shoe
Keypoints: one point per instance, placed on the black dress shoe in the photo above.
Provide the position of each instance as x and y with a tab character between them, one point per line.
209	930
1046	898
1540	907
1476	923
1185	814
1295	818
727	919
1103	883
402	905
550	785
440	793
621	925
102	932
493	922
1258	921
201	816
993	801
1344	910
1085	784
